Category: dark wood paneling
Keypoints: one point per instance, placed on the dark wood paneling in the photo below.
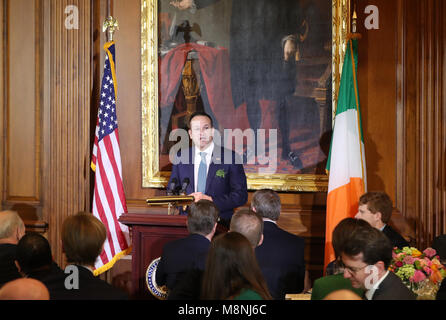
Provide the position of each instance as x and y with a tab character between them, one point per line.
3	46
377	82
21	108
421	134
67	116
309	224
22	111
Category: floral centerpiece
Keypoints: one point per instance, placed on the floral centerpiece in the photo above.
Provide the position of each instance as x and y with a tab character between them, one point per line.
421	272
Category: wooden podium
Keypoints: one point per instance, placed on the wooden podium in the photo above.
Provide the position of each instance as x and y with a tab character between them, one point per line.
149	233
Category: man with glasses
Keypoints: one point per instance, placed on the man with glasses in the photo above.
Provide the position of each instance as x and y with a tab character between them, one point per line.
334	273
366	256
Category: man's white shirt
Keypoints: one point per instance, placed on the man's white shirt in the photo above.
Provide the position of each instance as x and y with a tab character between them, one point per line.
369	293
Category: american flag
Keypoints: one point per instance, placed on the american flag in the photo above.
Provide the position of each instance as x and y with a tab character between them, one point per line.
109	198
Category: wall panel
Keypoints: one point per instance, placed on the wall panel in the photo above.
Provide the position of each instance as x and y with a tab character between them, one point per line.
22	110
2	95
421	131
66	115
377	83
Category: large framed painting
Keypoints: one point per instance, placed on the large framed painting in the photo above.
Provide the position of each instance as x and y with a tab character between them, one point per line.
267	71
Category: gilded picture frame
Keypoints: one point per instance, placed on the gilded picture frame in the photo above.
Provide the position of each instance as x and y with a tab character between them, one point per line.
152	176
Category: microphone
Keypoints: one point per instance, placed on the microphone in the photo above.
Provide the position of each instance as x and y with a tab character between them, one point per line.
184	185
171	187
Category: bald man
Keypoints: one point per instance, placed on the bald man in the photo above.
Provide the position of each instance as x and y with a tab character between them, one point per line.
24	289
342	294
12	229
250	224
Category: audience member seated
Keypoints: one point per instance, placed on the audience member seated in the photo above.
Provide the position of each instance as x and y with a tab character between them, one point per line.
34	260
245	222
232	271
24	289
183	255
441	293
340	233
83	237
248	223
376	209
335	279
342	294
12	230
439	244
402	225
281	255
366	255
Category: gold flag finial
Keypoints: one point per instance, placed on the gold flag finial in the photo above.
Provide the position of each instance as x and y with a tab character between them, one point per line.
354	19
110	25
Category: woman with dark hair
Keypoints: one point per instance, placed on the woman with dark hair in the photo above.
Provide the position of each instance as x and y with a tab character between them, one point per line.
232	271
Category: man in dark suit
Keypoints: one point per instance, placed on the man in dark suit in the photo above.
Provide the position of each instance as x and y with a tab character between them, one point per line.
188	286
281	255
213	173
441	293
366	256
250	224
34	260
12	230
376	209
183	255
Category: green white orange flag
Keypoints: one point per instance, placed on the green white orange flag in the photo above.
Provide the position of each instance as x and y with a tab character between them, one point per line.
346	160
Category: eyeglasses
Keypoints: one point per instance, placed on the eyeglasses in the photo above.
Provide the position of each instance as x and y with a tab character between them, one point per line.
352	270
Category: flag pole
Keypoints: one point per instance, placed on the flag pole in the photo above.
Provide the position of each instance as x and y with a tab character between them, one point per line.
117	243
355	35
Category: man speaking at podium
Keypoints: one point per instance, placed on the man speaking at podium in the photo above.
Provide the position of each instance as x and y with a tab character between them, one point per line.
206	174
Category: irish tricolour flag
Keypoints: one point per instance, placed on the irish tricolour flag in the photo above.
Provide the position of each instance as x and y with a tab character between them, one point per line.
346	161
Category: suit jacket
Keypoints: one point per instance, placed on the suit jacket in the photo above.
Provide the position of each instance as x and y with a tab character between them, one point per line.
8	269
392	288
395	238
90	287
180	256
228	189
281	259
188	286
441	293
